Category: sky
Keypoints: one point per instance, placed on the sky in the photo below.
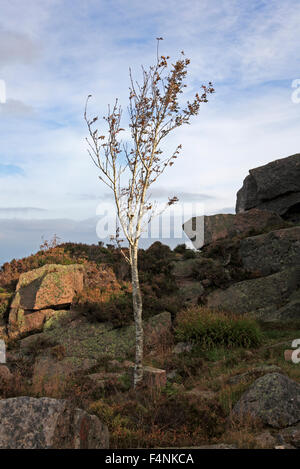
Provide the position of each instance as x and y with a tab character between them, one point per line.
53	53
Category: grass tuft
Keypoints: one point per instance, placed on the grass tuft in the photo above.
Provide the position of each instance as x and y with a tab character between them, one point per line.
209	329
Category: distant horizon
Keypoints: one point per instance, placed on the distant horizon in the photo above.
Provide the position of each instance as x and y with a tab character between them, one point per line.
34	231
144	244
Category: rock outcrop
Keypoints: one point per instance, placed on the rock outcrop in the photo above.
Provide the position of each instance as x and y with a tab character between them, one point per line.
39	293
271	252
275	187
273	399
272	297
30	423
250	261
205	230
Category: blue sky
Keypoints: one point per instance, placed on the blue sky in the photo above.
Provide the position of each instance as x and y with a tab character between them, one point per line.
53	53
10	170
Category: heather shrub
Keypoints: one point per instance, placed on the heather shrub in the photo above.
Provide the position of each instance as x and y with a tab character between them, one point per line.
117	309
210	329
149	419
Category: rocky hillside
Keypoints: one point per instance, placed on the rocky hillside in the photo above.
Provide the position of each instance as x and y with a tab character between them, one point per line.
254	256
219	325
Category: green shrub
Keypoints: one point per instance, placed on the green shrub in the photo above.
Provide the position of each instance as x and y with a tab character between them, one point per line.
210	329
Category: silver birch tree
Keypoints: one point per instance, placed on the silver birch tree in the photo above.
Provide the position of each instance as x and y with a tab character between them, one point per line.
130	170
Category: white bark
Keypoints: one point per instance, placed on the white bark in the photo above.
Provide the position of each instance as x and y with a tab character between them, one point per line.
137	311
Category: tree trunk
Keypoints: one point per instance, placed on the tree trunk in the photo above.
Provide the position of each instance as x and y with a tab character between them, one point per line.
137	311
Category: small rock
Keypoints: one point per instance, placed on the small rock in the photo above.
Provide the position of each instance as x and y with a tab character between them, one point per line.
22	322
51	377
291	436
154	377
29	423
273	399
171	375
182	347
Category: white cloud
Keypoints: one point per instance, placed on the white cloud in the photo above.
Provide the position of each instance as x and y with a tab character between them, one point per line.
59	51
